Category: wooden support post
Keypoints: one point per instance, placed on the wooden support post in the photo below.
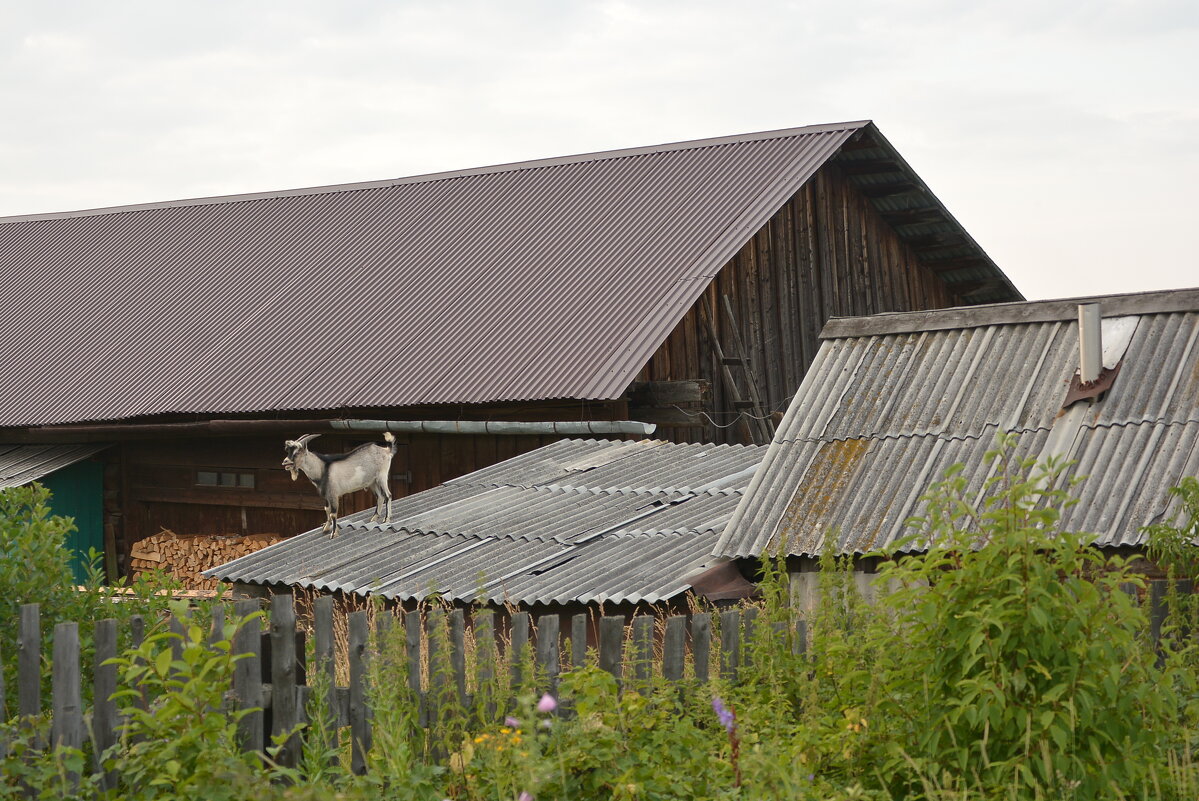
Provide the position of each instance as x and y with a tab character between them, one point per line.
67	695
674	648
284	706
800	644
247	676
105	718
359	724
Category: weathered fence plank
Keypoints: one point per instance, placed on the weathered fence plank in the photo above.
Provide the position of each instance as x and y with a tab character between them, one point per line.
674	648
799	645
611	644
519	648
359	725
247	676
284	707
105	718
749	617
485	659
438	680
578	640
323	651
642	657
701	645
549	657
730	644
66	727
458	654
29	662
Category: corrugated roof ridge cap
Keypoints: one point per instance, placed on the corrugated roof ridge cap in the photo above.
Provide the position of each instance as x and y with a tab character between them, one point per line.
492	169
1021	312
942	435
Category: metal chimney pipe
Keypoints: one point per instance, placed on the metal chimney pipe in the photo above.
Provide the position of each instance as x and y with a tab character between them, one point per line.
1090	343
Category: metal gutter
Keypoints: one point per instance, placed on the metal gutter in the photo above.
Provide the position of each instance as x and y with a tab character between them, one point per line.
239	428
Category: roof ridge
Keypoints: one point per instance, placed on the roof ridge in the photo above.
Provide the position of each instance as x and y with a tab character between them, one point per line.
553	161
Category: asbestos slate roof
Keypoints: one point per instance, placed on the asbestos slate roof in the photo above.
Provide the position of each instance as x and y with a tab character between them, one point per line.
894	400
577	520
546	279
21	464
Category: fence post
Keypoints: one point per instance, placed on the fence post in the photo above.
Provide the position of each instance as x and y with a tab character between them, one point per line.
67	697
247	676
104	708
434	630
800	646
674	645
701	645
611	644
360	735
217	632
548	655
730	644
748	618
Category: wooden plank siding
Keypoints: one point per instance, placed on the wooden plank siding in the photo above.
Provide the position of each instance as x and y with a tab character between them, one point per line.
826	253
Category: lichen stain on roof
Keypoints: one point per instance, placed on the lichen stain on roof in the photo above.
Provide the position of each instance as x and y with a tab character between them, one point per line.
830	475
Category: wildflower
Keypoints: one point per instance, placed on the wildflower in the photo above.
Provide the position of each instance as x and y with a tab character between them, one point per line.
547	703
724	714
505	730
511	722
524	796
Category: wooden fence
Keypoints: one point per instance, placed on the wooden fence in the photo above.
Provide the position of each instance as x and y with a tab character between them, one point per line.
273	679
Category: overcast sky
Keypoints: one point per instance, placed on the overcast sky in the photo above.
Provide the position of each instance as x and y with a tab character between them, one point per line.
1064	136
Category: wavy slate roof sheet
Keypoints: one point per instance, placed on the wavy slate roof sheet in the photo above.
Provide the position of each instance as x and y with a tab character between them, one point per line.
892	401
546	279
577	520
21	464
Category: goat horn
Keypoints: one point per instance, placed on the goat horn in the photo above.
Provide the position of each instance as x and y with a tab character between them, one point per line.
306	438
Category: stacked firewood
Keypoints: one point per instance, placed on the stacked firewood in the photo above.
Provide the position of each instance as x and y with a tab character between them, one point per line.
186	557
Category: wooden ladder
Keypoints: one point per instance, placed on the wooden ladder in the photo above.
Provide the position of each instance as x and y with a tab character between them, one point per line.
756	423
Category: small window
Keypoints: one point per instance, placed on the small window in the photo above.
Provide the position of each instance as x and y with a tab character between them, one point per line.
224	478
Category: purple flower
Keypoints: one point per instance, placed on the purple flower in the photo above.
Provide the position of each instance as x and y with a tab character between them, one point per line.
724	714
511	722
524	796
547	703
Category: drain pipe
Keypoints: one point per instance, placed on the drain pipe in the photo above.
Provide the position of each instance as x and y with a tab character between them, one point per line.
240	428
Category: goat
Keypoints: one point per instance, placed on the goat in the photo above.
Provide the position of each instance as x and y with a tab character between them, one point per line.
364	467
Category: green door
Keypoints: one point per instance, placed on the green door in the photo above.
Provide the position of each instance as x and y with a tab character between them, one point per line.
78	492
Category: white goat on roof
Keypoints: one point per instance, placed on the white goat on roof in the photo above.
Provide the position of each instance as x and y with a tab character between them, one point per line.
334	475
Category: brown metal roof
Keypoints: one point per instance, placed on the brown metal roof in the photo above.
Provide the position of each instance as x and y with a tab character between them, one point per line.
547	279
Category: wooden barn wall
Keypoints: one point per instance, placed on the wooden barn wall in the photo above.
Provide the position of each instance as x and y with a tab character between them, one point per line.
152	485
826	253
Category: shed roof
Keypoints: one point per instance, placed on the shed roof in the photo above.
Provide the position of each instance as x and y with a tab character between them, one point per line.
538	280
21	464
575	521
894	400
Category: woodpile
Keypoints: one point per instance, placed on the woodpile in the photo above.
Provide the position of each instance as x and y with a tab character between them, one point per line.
186	557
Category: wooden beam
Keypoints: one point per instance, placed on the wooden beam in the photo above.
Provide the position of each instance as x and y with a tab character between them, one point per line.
205	497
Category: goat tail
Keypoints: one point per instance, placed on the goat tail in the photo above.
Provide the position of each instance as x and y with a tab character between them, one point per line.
390	439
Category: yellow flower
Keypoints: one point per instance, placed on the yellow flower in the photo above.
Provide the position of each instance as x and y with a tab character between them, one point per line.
505	730
480	739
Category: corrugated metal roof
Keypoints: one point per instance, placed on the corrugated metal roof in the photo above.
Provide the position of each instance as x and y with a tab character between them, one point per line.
577	520
21	464
547	279
882	415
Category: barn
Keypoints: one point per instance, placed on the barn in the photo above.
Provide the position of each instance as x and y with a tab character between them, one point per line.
681	286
